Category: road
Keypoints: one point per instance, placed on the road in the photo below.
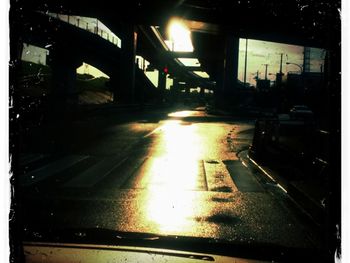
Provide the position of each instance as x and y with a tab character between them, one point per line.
179	174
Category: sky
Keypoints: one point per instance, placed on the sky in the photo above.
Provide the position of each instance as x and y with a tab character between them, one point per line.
34	54
89	69
264	52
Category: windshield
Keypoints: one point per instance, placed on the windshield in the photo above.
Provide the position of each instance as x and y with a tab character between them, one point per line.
157	125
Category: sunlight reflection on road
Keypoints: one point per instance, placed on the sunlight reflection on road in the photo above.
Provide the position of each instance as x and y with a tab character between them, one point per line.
176	162
172	174
170	210
185	113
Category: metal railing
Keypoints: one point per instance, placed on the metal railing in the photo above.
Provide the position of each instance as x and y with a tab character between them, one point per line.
92	26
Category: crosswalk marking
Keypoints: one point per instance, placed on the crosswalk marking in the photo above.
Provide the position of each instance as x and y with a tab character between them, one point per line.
94	174
50	169
147	172
118	178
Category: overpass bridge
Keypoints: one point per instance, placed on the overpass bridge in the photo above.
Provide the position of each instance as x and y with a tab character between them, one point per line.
216	27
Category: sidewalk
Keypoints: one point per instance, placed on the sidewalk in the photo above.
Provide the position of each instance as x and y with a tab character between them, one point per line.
307	186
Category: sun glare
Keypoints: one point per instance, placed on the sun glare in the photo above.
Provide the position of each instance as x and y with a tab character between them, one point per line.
180	37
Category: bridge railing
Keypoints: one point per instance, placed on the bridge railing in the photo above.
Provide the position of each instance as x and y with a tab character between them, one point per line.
91	26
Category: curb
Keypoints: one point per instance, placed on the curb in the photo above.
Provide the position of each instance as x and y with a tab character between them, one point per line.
313	210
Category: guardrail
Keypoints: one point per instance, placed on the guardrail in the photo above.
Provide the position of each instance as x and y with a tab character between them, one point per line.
91	27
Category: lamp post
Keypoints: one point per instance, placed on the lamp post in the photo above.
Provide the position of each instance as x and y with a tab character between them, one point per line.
301	68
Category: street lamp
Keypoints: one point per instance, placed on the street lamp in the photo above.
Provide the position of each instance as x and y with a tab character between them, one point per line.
301	68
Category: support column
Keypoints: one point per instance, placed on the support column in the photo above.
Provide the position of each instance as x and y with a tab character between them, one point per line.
219	87
226	83
231	64
113	85
64	94
175	89
161	85
126	90
187	89
202	91
175	85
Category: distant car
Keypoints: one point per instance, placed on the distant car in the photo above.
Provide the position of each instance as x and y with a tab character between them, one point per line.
301	112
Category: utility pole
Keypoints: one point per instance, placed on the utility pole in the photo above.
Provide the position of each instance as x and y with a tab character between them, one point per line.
306	60
245	62
280	74
281	64
257	75
266	65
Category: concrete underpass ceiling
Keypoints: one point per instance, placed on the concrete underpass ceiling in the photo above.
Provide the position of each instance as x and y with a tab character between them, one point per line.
151	46
203	42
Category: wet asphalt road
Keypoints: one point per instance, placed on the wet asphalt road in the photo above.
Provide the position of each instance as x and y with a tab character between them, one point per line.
180	175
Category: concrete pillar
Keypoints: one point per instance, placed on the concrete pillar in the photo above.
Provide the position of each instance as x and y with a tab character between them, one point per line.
126	90
113	85
227	72
231	64
175	90
161	84
175	85
187	90
64	93
202	91
219	87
